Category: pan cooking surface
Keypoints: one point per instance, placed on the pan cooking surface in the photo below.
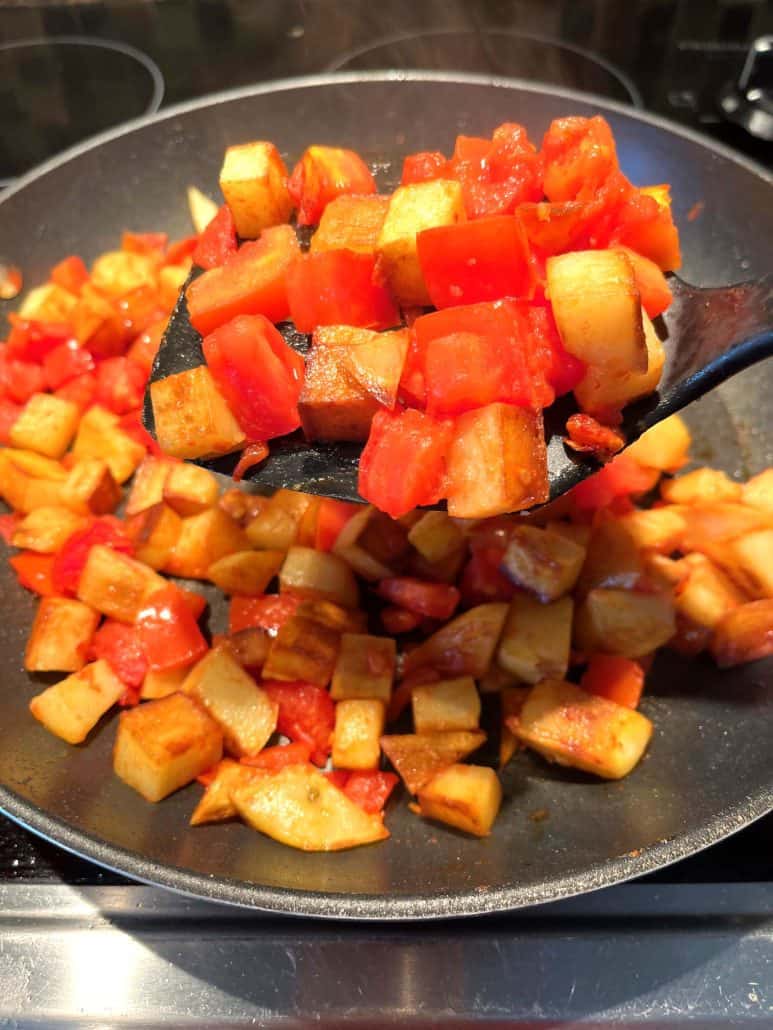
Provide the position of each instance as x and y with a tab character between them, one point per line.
708	771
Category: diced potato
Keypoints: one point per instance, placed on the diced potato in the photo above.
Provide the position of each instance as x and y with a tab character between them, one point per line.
60	635
91	488
703	486
307	572
202	208
72	708
118	272
36	465
447	705
154	531
571	727
46	424
303	649
332	404
162	684
612	558
359	723
464	796
513	699
350	545
418	758
246	572
189	489
752	562
192	418
203	539
411	209
24	492
249	647
496	680
623	622
171	279
665	447
96	320
299	807
243	711
536	639
216	805
350	223
365	667
464	646
709	524
277	527
377	362
147	487
162	745
99	436
253	180
655	529
115	584
48	303
744	634
543	562
46	529
497	462
577	532
344	620
757	492
601	391
436	536
662	573
706	594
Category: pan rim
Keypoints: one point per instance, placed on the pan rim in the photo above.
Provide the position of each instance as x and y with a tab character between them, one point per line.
368	906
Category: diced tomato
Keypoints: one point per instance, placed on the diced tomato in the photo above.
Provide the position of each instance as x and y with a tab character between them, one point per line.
435	600
563	370
647	227
137	310
482	580
321	175
423	167
144	348
588	434
403	463
218	241
621	477
258	374
9	412
579	155
497	181
120	385
144	242
31	340
269	612
279	757
618	679
306	715
70	560
338	287
338	777
195	601
476	261
168	632
370	789
122	649
8	524
399	620
178	251
332	516
65	362
35	572
131	424
81	390
251	282
652	285
553	228
70	274
20	379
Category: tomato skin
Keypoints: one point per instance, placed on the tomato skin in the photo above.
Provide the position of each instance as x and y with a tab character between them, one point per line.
618	679
423	167
258	374
168	633
70	273
218	240
338	287
321	175
306	715
35	572
370	788
403	463
434	600
588	434
269	612
70	560
279	757
121	648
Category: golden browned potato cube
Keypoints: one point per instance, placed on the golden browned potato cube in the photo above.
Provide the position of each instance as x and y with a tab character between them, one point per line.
706	594
118	272
46	529
216	805
744	634
577	532
162	684
91	488
25	493
190	489
202	208
332	404
513	699
99	436
46	424
115	584
246	572
243	711
307	572
350	545
536	639
757	492
623	622
543	562
655	529
192	418
464	796
359	723
278	525
464	646
365	667
344	620
413	208
612	558
147	489
601	391
665	447
418	758
36	465
447	705
571	727
299	807
249	647
155	531
715	523
253	180
171	279
436	536
203	540
48	303
751	562
163	745
60	635
699	487
72	708
303	649
350	223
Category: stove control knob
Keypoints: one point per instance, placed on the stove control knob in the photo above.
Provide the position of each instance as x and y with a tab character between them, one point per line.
749	101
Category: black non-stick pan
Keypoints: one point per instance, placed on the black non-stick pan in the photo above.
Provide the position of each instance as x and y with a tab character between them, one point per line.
709	770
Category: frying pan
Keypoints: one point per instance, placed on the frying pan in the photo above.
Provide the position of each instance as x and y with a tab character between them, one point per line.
708	771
